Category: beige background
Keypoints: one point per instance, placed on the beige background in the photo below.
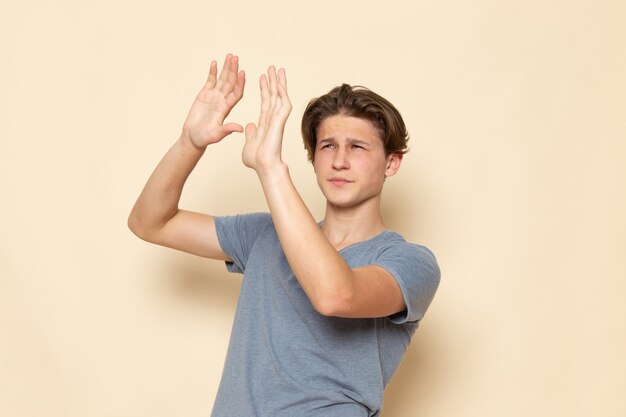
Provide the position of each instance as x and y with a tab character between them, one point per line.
515	179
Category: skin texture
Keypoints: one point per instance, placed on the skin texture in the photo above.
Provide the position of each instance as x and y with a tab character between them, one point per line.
350	166
350	163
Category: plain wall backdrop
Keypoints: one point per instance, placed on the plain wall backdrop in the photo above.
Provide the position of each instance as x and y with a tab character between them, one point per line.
515	179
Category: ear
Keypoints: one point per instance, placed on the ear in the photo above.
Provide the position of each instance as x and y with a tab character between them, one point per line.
394	161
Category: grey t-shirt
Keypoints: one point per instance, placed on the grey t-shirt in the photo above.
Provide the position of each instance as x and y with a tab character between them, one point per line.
284	358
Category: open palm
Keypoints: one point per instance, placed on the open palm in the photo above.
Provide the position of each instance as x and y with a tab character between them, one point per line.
264	140
205	122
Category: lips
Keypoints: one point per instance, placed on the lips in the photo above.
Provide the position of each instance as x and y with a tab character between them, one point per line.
338	181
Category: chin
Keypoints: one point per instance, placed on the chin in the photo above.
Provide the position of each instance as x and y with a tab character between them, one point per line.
348	203
336	201
341	204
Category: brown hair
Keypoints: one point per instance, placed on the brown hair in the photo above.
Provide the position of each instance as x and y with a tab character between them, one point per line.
355	101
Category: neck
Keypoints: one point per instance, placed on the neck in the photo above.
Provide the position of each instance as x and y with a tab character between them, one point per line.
346	226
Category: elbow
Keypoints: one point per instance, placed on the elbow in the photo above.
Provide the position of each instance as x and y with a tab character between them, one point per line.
328	310
135	225
146	227
333	304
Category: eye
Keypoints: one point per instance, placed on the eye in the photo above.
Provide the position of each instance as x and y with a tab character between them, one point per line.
357	147
328	146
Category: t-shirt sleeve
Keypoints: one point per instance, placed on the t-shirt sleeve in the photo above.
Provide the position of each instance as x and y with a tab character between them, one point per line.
238	234
416	270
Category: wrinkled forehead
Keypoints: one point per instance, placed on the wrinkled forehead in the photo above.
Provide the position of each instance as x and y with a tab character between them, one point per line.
342	127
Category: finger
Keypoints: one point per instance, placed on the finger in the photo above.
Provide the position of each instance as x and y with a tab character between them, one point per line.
282	90
231	76
265	100
210	81
225	130
232	127
223	78
233	73
271	72
237	93
282	79
241	83
250	130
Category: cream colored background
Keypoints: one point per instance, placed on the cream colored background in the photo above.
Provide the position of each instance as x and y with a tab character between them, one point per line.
515	179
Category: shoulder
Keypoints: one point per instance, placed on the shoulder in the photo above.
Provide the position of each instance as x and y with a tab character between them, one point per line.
243	229
247	222
389	244
416	271
395	243
391	250
409	259
240	234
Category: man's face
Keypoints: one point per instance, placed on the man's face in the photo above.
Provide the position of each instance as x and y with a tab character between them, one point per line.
350	162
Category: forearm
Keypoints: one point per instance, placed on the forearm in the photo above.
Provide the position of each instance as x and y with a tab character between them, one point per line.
158	202
323	274
321	271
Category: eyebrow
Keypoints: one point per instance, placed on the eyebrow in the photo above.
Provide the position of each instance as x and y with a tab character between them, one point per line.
350	141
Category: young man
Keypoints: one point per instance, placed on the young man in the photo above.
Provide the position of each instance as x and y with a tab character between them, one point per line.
326	310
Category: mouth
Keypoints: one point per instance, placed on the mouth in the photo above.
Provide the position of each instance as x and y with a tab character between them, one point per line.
338	181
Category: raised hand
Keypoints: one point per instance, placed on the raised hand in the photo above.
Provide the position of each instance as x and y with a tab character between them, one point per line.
205	122
262	149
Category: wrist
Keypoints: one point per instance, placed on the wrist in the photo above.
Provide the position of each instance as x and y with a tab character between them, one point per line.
271	173
187	143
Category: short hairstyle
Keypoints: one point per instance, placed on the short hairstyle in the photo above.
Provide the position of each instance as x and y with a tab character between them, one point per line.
355	101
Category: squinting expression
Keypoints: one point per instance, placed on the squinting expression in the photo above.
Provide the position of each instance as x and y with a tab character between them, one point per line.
350	161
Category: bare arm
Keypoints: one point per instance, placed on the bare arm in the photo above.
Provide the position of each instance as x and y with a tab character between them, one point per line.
331	285
156	216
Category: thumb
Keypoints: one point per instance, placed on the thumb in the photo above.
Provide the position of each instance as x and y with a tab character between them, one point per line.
250	130
227	129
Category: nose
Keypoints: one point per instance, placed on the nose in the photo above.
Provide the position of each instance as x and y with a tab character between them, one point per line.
340	159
